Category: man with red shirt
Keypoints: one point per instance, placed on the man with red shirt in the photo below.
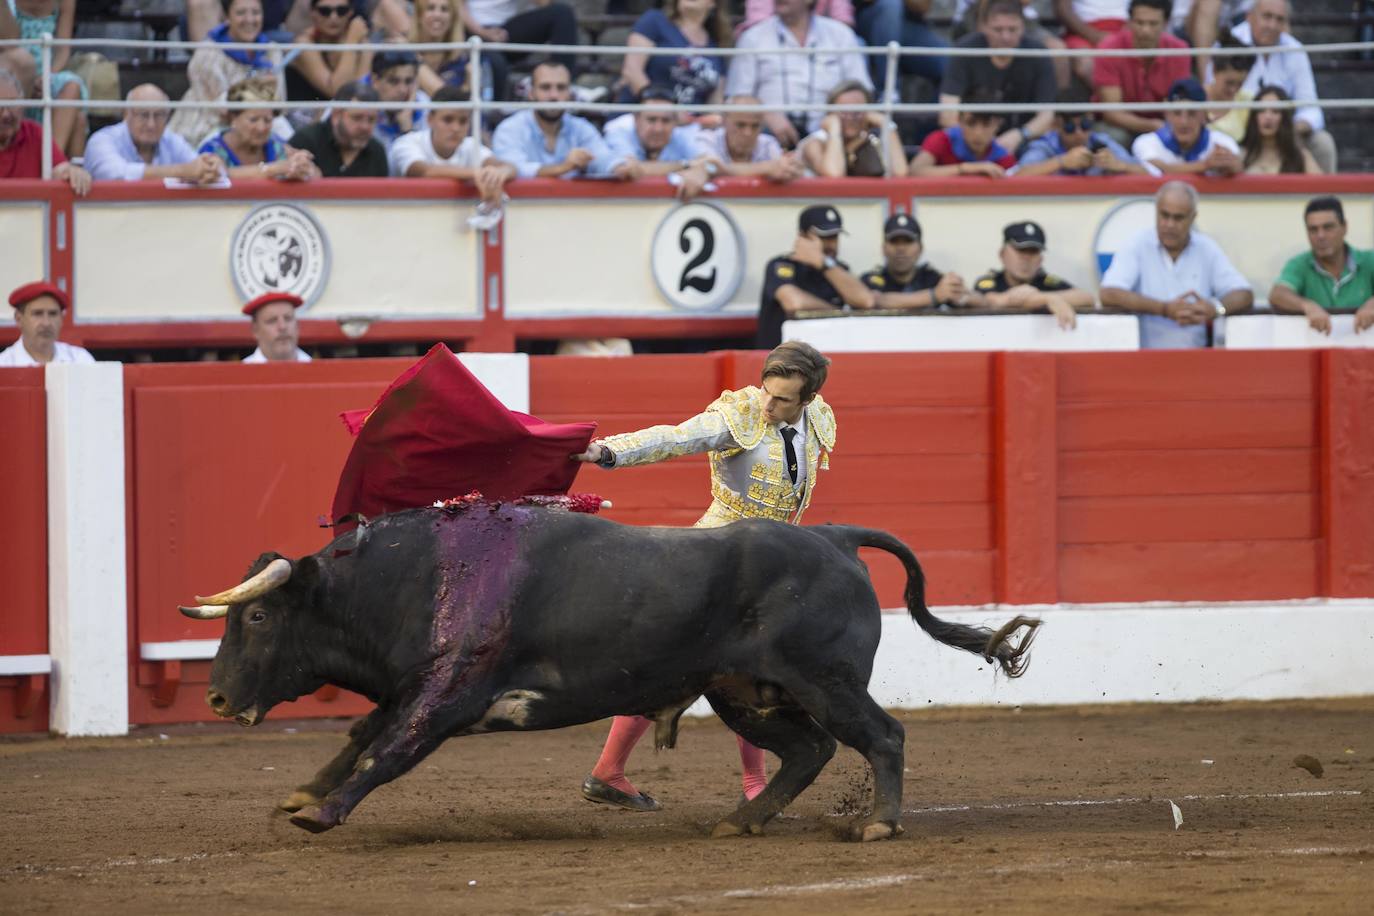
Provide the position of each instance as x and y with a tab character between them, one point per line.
21	143
1139	79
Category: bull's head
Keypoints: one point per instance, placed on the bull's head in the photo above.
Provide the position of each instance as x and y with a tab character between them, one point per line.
255	668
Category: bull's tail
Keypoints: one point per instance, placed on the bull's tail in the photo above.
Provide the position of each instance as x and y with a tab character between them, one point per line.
995	646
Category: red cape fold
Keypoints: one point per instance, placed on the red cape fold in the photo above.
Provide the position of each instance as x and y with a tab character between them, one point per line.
437	432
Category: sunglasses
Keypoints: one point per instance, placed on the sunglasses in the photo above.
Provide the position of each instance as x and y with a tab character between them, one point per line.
339	11
1072	126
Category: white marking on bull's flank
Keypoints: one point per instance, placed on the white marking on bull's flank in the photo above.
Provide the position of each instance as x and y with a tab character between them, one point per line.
1126	800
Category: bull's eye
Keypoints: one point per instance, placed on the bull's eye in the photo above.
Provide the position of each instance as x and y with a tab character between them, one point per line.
257	617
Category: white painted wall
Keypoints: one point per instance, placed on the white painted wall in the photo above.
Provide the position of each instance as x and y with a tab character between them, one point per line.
963	333
506	375
87	597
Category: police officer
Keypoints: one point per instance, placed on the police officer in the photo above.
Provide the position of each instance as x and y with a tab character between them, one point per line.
1023	285
810	277
903	282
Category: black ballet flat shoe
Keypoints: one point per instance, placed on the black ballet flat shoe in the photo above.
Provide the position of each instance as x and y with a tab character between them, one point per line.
594	790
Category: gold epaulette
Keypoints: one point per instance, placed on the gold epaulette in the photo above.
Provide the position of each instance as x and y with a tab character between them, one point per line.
743	414
823	420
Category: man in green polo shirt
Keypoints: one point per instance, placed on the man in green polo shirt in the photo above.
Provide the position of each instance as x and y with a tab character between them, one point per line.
1332	277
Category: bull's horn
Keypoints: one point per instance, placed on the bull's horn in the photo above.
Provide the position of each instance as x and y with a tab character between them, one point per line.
205	611
276	574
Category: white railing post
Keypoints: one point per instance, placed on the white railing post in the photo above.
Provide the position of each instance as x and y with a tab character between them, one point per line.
475	62
889	93
45	68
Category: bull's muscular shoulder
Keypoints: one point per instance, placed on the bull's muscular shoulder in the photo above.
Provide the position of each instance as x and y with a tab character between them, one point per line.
822	419
742	412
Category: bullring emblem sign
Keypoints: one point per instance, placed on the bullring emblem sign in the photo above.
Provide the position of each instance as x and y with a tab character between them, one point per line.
697	257
279	247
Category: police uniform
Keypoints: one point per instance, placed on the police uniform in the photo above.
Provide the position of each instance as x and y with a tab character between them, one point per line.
925	277
749	473
781	271
995	281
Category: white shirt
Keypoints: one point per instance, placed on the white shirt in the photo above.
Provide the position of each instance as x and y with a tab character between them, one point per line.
418	146
112	156
1291	72
1150	148
497	12
1145	268
257	356
800	81
1093	10
711	142
16	355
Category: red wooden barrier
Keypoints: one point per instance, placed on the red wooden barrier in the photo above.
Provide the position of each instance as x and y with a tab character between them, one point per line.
23	545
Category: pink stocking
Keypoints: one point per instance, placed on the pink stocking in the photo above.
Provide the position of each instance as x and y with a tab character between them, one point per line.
625	733
755	778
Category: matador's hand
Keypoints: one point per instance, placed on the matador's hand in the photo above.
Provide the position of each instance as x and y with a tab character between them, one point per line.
594	454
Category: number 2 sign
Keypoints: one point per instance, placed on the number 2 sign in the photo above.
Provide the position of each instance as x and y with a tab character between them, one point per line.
697	257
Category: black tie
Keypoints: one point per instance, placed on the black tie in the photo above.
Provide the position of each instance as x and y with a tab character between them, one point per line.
787	433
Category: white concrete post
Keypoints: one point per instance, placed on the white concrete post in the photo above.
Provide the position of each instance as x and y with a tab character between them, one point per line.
87	606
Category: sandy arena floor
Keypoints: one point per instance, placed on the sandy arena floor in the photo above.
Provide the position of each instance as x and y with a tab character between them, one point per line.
1045	810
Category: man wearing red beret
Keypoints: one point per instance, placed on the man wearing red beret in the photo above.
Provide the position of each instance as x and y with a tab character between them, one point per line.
276	330
38	309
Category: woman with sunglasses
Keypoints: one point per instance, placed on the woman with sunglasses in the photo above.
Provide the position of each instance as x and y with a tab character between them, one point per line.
1072	147
1270	145
314	75
212	70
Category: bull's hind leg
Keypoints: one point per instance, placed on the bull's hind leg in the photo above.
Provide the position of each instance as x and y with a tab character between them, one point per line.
803	747
333	773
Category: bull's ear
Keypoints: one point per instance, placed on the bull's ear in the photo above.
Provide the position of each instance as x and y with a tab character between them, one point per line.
306	573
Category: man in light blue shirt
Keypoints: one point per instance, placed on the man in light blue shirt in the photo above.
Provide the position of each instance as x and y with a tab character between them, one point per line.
551	144
142	148
653	145
1176	279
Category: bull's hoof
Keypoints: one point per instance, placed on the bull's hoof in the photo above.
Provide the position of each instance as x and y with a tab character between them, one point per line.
875	830
728	828
297	800
311	819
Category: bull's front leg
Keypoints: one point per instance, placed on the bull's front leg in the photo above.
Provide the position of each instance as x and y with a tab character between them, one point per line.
332	775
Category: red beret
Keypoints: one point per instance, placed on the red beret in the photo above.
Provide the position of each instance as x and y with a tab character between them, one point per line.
268	298
31	291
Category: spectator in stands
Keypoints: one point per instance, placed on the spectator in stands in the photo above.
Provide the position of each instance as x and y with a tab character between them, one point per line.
970	147
57	18
810	277
1174	277
315	76
1203	22
246	146
755	11
1270	145
342	144
38	309
1266	26
1019	80
275	328
657	147
1185	145
140	147
1331	277
695	79
1073	147
550	143
1087	24
537	22
213	70
799	81
1227	76
394	75
1023	285
851	143
21	144
902	21
741	148
1140	80
283	19
904	281
439	21
968	13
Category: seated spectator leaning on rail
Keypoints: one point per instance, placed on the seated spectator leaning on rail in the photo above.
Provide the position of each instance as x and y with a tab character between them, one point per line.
551	143
1016	80
1089	23
1270	145
741	148
1022	283
799	81
275	328
1331	277
969	148
394	75
246	146
21	144
656	147
1175	278
1224	82
1266	26
140	147
902	21
810	277
342	144
904	281
38	309
694	78
315	76
213	70
447	149
1072	147
850	143
1185	145
1142	81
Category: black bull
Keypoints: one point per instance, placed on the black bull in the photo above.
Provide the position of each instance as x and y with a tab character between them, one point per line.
504	617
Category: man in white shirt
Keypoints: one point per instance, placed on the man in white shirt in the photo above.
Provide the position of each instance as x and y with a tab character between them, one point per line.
275	328
1266	26
1185	145
1176	279
800	81
142	148
38	309
741	147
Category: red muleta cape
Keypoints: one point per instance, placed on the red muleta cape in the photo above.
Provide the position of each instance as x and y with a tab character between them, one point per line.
437	433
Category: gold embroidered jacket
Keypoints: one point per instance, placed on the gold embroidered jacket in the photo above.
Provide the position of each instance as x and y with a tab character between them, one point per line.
748	471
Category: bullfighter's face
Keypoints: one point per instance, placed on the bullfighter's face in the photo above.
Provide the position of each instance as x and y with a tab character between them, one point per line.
782	401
